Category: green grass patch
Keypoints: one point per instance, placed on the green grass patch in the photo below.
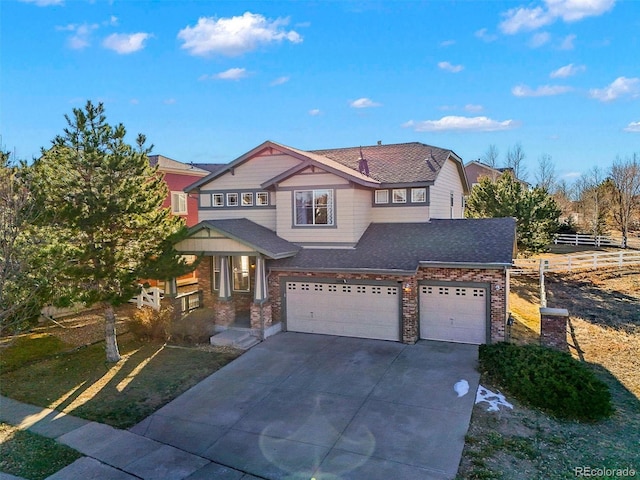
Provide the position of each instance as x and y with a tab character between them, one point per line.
32	456
28	349
81	383
548	379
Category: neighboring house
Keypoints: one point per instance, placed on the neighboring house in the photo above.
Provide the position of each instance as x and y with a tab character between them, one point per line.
364	242
177	176
475	170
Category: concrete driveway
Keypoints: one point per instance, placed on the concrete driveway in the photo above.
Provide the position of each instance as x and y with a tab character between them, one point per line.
325	407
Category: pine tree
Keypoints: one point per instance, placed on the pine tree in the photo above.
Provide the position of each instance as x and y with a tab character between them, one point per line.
103	201
535	211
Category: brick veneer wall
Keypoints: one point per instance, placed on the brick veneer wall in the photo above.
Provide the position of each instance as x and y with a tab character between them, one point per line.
409	287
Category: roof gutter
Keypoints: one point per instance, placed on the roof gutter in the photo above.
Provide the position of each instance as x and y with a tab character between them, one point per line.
482	266
371	271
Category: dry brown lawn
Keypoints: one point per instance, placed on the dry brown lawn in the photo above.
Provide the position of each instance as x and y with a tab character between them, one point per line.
524	443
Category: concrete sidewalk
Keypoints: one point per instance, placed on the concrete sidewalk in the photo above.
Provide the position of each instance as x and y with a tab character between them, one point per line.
111	454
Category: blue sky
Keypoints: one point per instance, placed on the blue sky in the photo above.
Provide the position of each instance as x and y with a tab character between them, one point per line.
206	81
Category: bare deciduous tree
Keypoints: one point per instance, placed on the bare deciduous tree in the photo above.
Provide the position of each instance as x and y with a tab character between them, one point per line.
515	161
625	177
490	157
546	173
592	200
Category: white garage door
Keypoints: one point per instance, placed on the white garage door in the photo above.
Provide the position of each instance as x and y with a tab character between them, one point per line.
365	311
453	314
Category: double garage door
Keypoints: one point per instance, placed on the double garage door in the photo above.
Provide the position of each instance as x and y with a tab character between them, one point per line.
448	313
350	310
453	313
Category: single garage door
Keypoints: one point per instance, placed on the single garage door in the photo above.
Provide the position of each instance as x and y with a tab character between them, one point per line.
350	310
453	314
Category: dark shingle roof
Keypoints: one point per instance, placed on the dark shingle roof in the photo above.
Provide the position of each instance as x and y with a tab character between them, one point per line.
211	167
251	234
396	163
402	246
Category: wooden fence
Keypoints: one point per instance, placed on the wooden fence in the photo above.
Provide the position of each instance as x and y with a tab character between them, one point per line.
568	263
596	241
189	301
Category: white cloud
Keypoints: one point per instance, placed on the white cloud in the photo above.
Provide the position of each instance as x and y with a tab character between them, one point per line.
542	91
235	35
574	10
364	102
469	107
517	19
134	101
314	112
447	43
125	43
567	71
567	42
279	81
620	87
113	21
81	37
484	35
169	101
44	3
449	67
231	74
531	18
539	39
455	123
633	127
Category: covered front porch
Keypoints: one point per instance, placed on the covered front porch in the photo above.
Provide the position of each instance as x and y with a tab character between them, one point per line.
233	272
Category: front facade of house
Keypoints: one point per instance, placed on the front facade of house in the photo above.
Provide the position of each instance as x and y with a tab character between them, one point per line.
366	242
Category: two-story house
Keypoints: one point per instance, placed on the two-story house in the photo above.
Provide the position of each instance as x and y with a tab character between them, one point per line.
366	241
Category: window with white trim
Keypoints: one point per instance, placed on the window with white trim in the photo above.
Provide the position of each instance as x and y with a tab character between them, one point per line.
247	199
262	199
399	195
381	196
232	199
218	200
418	195
179	203
313	207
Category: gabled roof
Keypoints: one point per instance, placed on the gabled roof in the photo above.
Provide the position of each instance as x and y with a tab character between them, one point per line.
255	236
166	164
404	163
402	247
396	163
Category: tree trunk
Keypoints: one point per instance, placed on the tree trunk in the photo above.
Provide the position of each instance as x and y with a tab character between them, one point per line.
113	355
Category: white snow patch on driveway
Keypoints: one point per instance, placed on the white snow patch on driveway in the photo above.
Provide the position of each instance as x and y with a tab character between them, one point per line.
461	387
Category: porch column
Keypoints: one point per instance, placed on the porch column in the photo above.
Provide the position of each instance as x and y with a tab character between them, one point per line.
225	279
260	294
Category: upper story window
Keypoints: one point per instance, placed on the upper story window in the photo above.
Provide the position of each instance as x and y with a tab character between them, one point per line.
218	200
399	195
382	196
418	195
247	199
178	203
262	199
232	199
314	207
